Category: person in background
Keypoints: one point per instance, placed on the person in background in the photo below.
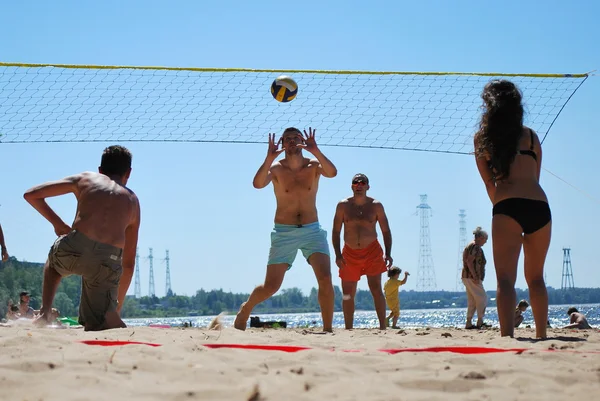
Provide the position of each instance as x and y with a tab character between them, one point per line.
473	273
24	309
577	320
390	288
521	307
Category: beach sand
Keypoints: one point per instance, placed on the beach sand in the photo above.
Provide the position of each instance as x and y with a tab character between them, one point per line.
51	364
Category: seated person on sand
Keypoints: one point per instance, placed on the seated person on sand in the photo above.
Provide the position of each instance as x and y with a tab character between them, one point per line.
13	312
25	310
578	320
521	307
101	245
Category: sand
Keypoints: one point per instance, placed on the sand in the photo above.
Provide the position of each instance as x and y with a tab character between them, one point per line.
51	364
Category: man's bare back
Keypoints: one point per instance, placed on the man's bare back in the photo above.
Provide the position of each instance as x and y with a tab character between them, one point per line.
296	192
105	208
577	320
360	222
101	245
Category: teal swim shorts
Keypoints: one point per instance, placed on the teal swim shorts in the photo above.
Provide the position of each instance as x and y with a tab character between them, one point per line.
286	240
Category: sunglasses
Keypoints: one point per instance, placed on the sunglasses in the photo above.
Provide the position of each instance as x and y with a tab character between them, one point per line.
358	182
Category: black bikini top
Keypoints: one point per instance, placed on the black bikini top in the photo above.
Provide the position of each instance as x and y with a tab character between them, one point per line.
529	152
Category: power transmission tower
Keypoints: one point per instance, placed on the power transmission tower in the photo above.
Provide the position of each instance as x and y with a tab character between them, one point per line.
426	272
168	290
151	292
462	243
137	285
567	282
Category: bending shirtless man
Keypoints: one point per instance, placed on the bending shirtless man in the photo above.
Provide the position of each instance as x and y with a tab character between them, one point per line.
295	181
101	245
362	253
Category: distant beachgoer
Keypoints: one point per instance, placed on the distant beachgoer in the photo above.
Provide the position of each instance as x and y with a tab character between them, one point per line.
25	310
577	320
521	307
13	312
473	274
392	299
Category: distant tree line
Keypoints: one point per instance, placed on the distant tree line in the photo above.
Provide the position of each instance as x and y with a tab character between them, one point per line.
17	276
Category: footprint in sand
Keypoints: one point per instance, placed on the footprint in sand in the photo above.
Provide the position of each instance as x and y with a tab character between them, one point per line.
473	376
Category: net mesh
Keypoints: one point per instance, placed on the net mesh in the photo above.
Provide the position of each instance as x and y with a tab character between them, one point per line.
414	111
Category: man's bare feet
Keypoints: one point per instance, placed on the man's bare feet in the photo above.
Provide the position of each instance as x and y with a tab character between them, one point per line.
241	319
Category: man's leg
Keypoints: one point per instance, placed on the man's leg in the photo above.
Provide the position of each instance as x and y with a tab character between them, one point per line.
112	317
321	265
395	320
49	288
112	320
349	292
99	286
378	298
273	280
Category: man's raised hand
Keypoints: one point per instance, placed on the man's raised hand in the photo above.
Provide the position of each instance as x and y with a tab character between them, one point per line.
310	144
274	150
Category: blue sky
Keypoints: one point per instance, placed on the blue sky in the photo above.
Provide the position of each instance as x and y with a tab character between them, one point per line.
197	199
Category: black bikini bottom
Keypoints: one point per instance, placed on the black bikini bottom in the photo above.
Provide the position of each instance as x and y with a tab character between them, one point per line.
530	214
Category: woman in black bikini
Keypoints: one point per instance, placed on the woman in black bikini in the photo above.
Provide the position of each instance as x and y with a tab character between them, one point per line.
509	159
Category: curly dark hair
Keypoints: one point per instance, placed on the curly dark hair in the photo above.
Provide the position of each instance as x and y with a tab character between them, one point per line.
501	125
394	271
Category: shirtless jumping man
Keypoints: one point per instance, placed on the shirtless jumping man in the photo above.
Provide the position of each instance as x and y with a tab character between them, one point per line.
101	245
362	253
295	182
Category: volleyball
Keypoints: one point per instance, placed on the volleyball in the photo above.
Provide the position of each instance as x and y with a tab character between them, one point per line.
284	89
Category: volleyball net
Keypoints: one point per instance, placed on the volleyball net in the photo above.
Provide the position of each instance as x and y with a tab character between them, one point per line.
437	112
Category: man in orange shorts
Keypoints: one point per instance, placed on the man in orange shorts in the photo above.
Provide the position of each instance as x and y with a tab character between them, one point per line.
362	253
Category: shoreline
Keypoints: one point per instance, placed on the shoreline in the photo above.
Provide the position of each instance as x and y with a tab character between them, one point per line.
409	318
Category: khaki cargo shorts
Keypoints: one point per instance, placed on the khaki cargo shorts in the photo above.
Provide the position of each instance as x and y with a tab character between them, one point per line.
100	268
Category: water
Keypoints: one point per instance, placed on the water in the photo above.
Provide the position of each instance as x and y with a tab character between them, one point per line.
447	317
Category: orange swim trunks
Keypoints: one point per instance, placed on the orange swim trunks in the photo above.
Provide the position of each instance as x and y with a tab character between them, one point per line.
367	261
